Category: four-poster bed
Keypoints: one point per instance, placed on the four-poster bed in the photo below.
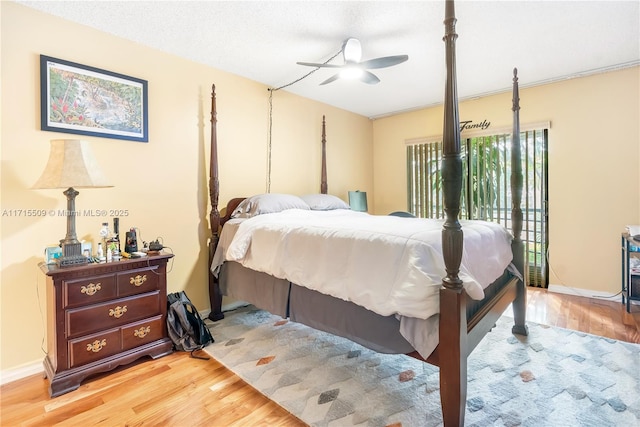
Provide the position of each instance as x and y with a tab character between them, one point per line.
463	320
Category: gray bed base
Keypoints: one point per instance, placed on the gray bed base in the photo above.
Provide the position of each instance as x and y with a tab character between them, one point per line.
324	312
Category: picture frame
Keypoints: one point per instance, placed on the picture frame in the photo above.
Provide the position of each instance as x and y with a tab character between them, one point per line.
84	100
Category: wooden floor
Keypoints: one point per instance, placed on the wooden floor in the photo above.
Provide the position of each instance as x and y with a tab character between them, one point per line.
177	390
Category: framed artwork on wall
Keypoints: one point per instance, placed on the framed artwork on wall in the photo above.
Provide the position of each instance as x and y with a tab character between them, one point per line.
85	100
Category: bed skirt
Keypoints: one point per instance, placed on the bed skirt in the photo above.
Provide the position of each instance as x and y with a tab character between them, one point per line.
326	313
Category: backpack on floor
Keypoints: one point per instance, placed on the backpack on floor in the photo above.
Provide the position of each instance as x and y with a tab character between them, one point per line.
186	328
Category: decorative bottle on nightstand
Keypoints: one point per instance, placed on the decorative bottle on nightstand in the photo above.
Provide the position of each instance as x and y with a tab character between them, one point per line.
114	241
104	230
116	234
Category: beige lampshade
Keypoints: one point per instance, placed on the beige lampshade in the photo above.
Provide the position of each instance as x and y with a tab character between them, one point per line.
71	164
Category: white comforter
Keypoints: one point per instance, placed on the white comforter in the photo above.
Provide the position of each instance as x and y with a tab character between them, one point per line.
387	264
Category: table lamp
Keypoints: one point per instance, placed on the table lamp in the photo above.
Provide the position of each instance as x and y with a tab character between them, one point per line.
71	165
358	200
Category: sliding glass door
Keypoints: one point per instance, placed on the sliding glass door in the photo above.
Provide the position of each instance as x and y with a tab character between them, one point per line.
486	193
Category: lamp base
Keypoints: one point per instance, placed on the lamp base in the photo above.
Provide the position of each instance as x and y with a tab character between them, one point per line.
72	255
71	247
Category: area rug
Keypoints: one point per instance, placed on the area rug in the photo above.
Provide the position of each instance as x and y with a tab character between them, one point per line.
554	377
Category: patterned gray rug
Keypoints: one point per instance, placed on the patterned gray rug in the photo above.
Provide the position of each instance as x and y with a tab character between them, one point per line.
554	377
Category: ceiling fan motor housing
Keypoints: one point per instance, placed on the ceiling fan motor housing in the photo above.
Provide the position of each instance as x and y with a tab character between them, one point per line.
352	50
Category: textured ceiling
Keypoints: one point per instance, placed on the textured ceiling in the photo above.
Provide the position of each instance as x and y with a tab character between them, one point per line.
263	40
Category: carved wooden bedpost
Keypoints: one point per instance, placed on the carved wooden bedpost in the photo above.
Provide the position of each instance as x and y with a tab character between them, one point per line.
451	160
453	318
323	178
517	246
215	298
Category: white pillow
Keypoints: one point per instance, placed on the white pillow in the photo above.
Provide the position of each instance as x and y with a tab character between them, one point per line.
324	202
268	203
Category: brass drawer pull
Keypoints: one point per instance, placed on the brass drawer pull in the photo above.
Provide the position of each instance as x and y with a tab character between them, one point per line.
91	289
142	332
118	311
138	280
97	345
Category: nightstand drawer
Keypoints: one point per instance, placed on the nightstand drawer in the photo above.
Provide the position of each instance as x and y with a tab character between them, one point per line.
142	332
137	281
82	321
95	347
89	291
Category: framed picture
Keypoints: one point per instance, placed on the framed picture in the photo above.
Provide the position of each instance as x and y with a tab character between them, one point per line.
85	100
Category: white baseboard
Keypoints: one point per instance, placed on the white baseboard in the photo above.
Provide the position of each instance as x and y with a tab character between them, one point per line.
13	374
561	289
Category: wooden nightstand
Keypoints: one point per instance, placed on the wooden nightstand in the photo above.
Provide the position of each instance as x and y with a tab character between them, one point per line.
101	316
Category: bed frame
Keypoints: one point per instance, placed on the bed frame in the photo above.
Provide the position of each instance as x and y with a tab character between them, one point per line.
458	335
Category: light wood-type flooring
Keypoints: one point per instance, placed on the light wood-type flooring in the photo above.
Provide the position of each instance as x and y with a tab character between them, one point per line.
177	390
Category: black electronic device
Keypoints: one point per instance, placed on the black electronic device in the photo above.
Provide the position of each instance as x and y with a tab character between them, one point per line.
155	246
131	242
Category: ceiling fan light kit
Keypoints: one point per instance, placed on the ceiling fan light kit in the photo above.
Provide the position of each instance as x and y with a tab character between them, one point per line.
351	73
353	68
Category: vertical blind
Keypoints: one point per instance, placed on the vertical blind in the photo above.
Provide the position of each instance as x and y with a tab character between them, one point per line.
486	192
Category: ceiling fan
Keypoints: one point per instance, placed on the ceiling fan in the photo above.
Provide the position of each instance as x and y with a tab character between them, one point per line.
353	68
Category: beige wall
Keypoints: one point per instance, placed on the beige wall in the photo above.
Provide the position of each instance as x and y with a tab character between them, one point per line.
594	178
593	192
162	183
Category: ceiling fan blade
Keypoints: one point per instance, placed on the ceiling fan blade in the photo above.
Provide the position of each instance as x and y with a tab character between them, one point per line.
386	61
331	79
369	78
313	64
